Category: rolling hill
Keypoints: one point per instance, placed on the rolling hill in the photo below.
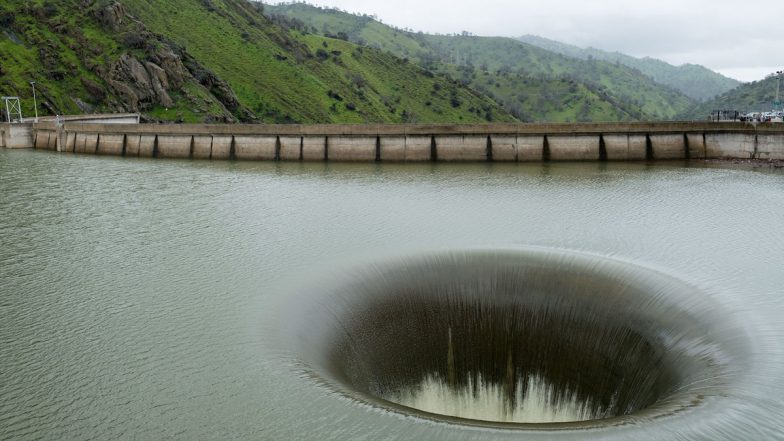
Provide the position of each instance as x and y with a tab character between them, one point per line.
692	80
599	90
235	65
757	96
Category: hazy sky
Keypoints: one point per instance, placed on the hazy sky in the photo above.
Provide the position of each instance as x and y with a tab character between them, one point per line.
741	39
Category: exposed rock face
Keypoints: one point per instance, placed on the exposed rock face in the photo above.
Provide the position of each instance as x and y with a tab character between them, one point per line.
95	90
171	63
160	82
140	84
112	16
219	88
128	95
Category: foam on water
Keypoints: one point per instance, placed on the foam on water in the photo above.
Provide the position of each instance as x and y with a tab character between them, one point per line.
487	401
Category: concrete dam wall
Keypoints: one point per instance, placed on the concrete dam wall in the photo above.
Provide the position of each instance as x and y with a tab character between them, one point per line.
22	135
16	136
419	143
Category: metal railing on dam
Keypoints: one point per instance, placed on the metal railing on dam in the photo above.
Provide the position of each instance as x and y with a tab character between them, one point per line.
422	142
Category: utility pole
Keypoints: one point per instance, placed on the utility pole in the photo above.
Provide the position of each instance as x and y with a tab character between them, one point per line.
35	103
778	89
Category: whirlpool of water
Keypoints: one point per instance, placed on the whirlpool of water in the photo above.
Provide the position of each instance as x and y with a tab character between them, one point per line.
532	336
162	299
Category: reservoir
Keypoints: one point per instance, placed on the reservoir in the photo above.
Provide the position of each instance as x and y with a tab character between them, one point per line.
178	299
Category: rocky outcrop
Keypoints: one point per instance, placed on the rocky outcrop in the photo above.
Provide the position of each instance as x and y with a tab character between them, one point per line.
160	83
121	67
219	88
140	84
171	63
112	16
146	82
95	90
128	95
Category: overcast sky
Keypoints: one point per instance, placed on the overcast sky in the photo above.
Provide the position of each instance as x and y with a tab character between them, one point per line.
740	39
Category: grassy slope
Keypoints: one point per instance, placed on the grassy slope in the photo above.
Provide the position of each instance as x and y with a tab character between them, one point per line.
630	90
279	75
20	62
693	80
757	96
534	99
58	45
286	76
361	29
632	94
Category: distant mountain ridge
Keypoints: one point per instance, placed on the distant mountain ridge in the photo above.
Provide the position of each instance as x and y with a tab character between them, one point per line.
532	83
757	96
692	80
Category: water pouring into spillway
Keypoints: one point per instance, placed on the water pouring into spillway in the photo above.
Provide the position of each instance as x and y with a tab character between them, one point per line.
190	300
530	338
482	400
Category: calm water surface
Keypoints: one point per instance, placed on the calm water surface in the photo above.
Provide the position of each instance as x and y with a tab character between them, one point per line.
137	297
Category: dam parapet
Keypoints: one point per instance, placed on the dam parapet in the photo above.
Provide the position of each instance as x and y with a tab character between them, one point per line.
417	143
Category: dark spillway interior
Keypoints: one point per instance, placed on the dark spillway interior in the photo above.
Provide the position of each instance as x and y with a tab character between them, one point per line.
592	336
611	368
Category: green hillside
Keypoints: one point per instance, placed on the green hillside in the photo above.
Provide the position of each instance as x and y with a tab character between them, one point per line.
757	96
602	90
692	80
97	59
626	88
360	29
535	99
213	60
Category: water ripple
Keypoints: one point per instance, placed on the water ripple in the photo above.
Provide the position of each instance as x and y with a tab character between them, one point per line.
137	296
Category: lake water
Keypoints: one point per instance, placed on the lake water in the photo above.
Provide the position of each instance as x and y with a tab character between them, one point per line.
138	297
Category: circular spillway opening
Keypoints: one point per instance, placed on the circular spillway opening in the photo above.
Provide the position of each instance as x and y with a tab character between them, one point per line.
510	362
521	338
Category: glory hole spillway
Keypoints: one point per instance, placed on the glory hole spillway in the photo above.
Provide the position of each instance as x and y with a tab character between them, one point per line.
299	297
519	338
